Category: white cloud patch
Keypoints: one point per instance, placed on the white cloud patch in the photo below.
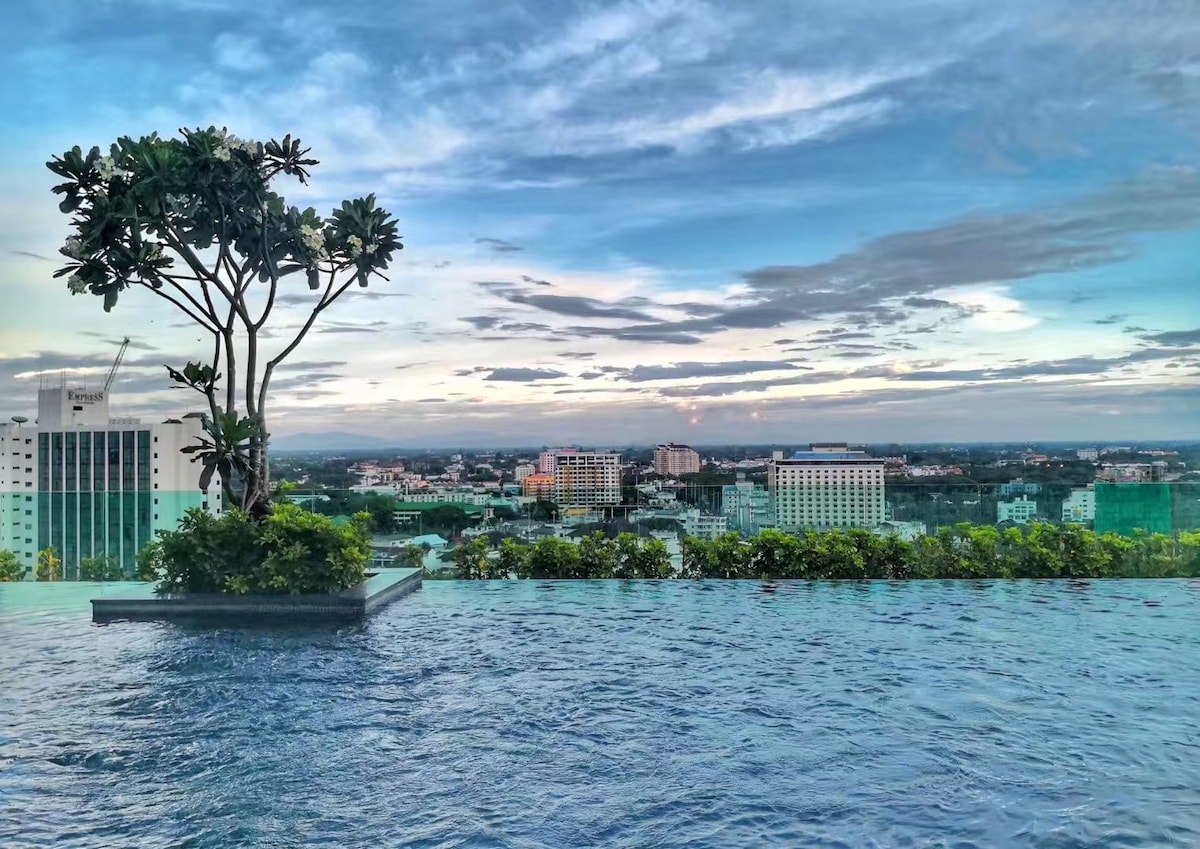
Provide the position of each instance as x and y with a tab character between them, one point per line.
239	52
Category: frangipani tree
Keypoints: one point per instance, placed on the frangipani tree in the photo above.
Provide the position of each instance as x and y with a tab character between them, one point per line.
194	220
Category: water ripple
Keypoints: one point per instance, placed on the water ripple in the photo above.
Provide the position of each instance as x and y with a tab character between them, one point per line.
555	714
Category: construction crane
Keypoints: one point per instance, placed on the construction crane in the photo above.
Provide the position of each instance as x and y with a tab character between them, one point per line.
112	372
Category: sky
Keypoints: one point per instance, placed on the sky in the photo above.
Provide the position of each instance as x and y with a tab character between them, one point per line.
633	222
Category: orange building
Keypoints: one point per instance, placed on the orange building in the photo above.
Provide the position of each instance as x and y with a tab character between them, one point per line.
538	486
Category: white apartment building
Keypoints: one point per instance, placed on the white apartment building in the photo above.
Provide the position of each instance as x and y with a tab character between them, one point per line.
449	496
1092	454
548	459
524	470
827	486
90	484
672	460
693	523
1019	511
586	478
1080	506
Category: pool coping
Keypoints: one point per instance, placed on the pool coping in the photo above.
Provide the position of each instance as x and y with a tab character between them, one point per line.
381	587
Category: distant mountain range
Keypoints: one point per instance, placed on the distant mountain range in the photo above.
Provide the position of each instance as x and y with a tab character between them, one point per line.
340	440
334	440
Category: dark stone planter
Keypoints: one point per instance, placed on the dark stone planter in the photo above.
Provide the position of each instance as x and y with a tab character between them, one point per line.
382	586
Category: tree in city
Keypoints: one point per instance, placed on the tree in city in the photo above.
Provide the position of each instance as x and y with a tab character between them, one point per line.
11	568
148	564
49	566
195	221
471	558
103	567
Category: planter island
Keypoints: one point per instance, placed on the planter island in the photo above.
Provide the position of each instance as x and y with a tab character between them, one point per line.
380	587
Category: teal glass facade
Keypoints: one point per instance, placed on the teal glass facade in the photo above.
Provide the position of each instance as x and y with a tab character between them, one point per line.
94	495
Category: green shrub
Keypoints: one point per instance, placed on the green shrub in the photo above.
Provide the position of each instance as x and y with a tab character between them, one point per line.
292	552
148	566
11	568
103	567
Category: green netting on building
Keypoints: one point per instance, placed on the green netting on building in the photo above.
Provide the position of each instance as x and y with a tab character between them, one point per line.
1128	507
1185	506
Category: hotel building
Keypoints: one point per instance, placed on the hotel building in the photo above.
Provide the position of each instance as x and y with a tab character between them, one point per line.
827	486
92	485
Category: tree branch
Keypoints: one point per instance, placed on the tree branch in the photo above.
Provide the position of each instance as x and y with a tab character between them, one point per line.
269	265
175	279
196	318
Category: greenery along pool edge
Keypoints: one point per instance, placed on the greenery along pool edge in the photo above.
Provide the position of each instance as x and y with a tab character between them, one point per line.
964	551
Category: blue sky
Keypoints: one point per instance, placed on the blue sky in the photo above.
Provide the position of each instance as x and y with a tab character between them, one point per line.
669	219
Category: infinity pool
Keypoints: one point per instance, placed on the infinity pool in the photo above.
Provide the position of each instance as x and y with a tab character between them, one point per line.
522	714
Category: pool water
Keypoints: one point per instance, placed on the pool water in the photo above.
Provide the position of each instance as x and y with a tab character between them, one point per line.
612	714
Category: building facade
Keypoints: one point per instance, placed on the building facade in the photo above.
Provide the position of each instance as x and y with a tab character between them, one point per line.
548	459
538	486
1080	506
449	496
1018	487
748	507
524	470
694	523
586	478
672	460
1019	511
827	486
92	485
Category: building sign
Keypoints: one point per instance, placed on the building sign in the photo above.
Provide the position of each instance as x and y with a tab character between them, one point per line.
82	397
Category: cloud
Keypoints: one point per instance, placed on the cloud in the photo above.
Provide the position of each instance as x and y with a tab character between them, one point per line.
481	322
577	306
239	52
524	375
577	355
499	246
1115	318
685	371
527	279
32	255
1175	338
974	251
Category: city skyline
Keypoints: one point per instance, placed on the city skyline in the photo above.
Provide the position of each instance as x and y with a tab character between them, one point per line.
636	222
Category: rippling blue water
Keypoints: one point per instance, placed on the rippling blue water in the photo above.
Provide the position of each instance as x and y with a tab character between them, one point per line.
510	714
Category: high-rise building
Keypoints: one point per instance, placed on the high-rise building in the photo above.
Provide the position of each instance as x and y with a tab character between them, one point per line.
1092	454
672	460
827	486
548	459
524	470
93	485
584	478
748	507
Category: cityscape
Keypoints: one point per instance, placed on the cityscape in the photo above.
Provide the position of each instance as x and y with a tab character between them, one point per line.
90	485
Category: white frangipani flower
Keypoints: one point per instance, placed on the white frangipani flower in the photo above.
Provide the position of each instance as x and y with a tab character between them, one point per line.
104	167
75	285
356	246
73	248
